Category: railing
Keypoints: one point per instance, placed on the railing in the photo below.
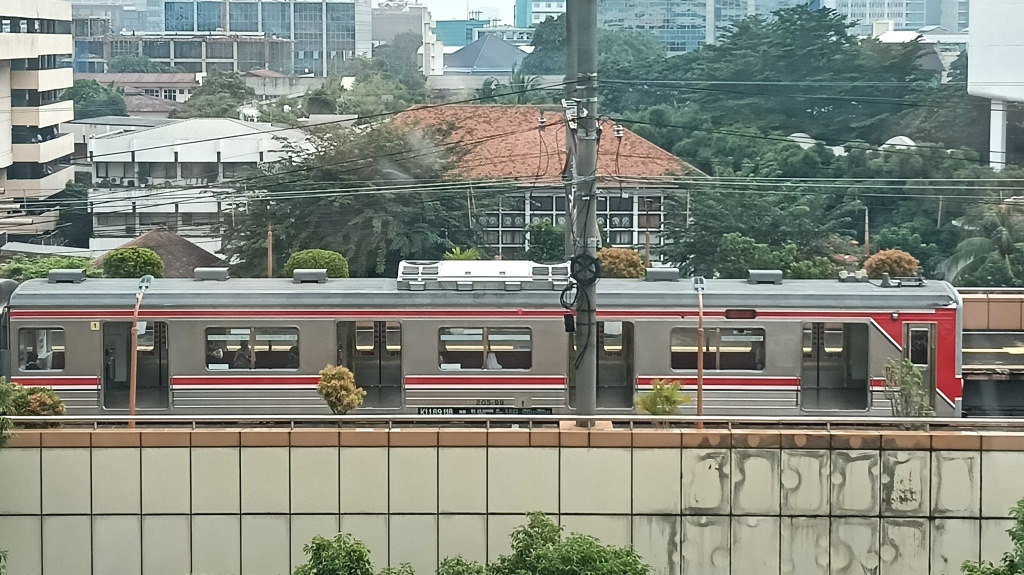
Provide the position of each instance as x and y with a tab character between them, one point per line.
710	423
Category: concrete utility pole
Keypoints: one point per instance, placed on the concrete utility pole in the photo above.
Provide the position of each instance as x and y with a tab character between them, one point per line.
587	235
570	137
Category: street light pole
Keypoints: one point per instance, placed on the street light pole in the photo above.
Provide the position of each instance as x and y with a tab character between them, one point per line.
698	286
143	286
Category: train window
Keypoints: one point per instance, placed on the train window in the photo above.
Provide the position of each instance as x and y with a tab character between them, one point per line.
252	348
919	346
41	349
488	348
739	349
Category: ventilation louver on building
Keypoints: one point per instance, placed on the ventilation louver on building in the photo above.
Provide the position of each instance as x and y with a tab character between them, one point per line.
496	275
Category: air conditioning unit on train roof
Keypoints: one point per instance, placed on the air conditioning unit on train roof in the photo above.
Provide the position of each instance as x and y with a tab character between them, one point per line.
469	275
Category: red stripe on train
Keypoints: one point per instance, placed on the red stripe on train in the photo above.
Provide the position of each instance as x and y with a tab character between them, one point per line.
722	381
254	380
484	380
58	381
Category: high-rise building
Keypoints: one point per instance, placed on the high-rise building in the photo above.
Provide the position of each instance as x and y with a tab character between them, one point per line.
682	25
325	32
530	12
949	14
864	13
35	52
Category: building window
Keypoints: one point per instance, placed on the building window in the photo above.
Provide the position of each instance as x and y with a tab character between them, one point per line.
220	50
277	19
188	49
41	349
199	171
243	16
179	17
485	348
156	49
740	349
209	16
233	348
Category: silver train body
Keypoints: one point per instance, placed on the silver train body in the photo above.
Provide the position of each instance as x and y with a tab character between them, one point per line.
476	338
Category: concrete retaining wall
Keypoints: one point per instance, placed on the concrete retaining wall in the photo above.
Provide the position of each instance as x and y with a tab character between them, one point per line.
218	502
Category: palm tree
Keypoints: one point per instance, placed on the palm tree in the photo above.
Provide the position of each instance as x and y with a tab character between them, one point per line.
992	229
520	89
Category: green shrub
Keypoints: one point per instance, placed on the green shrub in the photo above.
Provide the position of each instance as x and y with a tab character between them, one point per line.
338	388
8	392
906	391
335	263
896	263
21	268
132	263
664	398
342	555
620	263
38	401
458	253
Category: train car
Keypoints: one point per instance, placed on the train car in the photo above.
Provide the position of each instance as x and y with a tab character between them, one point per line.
476	337
993	351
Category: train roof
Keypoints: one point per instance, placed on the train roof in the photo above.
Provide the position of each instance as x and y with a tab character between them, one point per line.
237	293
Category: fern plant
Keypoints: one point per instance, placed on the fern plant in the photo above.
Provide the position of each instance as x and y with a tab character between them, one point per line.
665	398
458	253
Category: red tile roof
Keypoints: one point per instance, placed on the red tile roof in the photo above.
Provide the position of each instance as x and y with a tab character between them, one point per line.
505	142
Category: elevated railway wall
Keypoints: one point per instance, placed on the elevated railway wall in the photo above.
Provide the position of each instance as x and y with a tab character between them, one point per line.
244	501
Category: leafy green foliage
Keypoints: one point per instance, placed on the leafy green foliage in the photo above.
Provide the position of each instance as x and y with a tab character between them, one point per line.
538	548
219	96
896	263
8	392
341	555
335	263
519	89
547	242
994	237
1013	561
338	388
620	263
665	398
37	401
93	100
132	262
377	230
138	64
615	49
458	253
906	391
395	60
21	268
460	566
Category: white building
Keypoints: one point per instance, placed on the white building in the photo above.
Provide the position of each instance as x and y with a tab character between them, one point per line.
178	176
866	12
35	44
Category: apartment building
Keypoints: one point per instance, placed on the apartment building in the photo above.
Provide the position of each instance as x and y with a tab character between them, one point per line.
35	47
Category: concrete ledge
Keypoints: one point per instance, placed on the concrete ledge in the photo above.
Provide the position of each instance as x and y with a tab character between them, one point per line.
569	436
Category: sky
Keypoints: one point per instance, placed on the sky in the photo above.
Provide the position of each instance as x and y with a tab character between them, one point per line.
456	9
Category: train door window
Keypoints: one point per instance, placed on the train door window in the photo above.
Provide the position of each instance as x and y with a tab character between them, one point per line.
490	348
918	351
41	349
734	349
252	348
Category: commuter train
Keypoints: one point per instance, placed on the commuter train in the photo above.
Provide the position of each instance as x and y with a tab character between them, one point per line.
486	337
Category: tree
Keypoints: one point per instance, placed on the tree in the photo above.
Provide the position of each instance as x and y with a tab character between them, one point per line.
615	49
896	263
338	388
520	89
1013	561
22	268
75	221
992	229
737	255
335	263
219	96
538	548
905	390
458	253
349	203
138	64
132	262
93	100
8	392
547	242
620	263
375	96
341	555
321	101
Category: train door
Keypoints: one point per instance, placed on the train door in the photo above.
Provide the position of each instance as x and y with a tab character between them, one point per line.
152	386
835	367
373	351
919	348
615	385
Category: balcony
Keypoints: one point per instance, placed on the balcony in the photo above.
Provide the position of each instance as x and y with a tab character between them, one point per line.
44	152
42	80
48	115
41	188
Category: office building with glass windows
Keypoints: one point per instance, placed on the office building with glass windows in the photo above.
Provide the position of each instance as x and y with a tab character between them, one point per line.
324	33
35	158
